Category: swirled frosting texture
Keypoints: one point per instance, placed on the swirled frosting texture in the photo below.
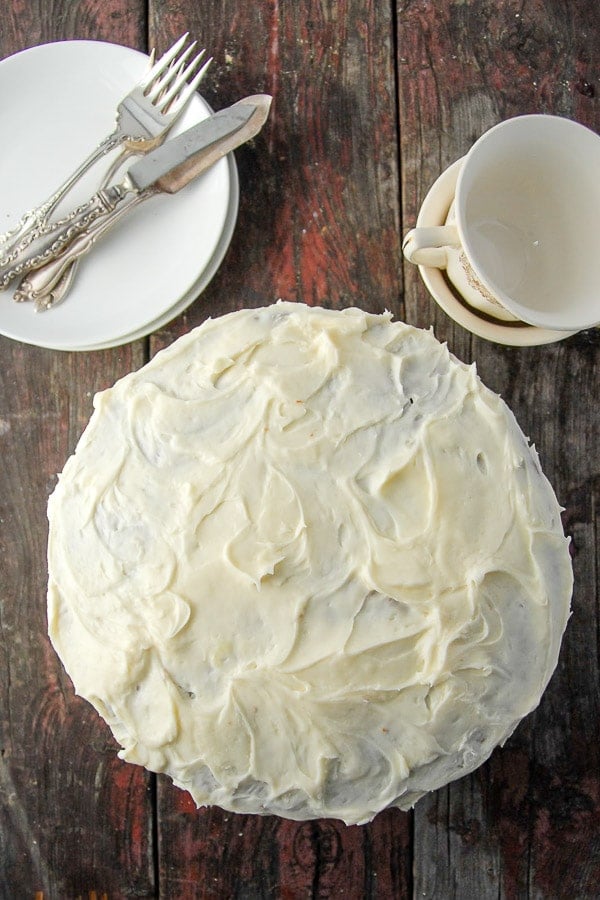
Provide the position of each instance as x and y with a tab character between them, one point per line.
305	563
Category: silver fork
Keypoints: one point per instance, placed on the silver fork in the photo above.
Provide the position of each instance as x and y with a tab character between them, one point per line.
144	118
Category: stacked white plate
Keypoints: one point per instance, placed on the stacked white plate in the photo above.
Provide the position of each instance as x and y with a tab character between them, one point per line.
58	102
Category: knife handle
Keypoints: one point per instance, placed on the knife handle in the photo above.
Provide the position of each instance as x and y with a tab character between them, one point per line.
29	254
47	284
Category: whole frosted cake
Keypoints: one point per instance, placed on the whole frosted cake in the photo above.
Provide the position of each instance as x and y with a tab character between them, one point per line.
305	563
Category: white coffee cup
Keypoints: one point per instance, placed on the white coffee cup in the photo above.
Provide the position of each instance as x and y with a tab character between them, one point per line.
522	237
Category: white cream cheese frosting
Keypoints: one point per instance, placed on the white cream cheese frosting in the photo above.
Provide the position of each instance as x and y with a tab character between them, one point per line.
305	563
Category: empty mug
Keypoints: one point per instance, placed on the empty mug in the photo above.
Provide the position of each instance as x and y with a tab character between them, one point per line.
522	237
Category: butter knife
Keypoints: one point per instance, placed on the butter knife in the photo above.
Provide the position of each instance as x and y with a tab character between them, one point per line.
165	170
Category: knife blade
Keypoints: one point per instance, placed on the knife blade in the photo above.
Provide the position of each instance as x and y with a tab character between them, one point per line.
183	158
167	169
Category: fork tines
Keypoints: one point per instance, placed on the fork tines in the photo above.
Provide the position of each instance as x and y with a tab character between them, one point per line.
166	83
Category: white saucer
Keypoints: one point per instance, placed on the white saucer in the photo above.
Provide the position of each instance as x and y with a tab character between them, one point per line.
58	101
513	334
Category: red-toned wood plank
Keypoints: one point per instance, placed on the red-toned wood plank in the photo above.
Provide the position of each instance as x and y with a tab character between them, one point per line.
212	853
319	187
73	819
527	823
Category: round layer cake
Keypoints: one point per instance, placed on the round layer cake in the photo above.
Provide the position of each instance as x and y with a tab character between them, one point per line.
305	563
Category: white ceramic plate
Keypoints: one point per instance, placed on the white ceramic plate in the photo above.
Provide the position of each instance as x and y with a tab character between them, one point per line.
58	101
513	334
202	282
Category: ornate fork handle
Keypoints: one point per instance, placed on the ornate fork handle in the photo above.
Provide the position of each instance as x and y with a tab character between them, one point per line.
31	225
102	203
48	282
21	250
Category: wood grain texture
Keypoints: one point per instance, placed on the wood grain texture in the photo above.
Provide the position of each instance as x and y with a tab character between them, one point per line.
60	782
319	210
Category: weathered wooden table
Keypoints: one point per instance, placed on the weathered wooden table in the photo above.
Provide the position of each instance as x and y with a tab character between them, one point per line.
372	100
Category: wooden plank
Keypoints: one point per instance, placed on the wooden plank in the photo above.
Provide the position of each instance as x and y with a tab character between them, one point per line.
212	853
73	819
527	823
318	215
318	223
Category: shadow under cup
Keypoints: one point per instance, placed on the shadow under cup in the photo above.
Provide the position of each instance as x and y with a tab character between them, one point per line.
528	211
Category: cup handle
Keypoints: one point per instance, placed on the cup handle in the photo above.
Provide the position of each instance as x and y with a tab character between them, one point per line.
427	246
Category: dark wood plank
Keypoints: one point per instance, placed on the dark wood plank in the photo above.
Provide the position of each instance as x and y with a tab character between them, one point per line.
73	818
318	223
527	823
